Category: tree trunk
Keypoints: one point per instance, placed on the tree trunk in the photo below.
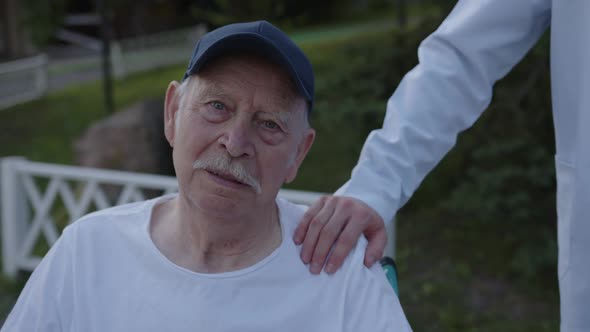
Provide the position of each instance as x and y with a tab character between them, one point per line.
15	41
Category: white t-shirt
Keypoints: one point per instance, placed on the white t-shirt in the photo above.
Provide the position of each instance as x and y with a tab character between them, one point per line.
106	274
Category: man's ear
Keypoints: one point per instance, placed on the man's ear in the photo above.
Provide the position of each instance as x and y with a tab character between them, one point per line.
171	107
302	150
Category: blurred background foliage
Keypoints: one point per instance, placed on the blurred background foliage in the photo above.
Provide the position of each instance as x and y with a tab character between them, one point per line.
477	242
42	19
136	17
288	12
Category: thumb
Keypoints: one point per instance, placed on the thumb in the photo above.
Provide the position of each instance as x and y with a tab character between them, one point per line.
301	230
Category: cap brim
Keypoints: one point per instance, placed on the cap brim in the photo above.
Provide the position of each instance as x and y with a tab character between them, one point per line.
252	43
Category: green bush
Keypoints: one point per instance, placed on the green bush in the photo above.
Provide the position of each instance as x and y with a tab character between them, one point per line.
354	79
501	170
286	13
508	156
42	19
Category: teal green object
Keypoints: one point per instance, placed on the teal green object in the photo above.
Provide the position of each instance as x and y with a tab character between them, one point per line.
388	265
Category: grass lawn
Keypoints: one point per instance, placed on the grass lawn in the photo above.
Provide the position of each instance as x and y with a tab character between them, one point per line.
44	129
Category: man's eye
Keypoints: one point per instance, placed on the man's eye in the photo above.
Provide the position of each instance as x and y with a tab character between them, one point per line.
217	105
215	111
270	124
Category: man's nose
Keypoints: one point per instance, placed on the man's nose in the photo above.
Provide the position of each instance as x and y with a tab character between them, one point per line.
237	139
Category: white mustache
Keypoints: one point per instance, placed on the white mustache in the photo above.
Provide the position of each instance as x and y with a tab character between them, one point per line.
223	164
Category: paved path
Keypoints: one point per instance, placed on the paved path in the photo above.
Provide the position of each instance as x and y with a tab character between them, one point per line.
87	68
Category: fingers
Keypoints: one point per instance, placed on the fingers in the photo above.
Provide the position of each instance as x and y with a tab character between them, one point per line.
336	223
377	242
328	236
313	231
301	230
346	241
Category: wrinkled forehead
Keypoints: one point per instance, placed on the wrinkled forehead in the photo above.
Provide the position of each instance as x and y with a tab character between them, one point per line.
282	91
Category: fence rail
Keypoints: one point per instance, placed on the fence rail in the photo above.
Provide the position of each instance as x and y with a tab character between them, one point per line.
28	79
23	80
148	52
39	199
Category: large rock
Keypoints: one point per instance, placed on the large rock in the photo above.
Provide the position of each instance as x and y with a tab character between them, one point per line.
130	140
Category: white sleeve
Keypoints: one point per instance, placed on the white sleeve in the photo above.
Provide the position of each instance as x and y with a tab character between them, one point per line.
46	302
371	303
477	44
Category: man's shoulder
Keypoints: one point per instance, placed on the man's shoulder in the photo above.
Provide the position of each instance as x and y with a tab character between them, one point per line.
112	218
114	212
291	215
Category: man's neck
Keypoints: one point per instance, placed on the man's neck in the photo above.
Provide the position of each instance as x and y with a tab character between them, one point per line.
207	244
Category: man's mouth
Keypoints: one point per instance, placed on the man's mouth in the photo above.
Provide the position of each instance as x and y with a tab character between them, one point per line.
226	176
225	173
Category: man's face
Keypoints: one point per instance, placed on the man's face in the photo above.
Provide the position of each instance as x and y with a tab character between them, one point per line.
238	135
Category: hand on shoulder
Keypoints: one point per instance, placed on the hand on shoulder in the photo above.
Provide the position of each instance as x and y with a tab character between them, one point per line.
338	222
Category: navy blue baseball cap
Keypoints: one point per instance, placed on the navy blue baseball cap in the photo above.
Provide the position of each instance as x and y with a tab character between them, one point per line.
263	39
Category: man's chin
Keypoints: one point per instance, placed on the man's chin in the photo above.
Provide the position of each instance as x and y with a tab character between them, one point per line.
221	204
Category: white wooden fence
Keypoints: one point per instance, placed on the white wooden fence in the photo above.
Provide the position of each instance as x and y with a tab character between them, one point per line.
148	52
22	80
29	79
39	199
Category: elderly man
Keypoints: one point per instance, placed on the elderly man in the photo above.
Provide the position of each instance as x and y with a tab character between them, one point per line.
217	255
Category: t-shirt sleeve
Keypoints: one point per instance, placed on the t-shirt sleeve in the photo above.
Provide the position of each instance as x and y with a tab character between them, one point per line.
371	303
46	302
